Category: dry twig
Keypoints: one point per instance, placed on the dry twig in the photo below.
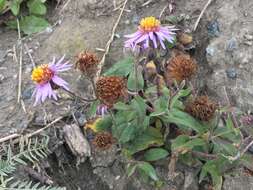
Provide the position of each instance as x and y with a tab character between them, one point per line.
201	14
15	135
30	56
20	62
108	44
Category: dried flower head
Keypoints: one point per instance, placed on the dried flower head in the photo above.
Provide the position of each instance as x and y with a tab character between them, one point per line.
87	63
103	140
202	108
109	89
150	32
180	67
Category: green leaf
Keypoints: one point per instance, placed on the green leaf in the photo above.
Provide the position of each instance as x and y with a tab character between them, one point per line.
148	169
180	94
2	5
160	106
184	143
181	118
15	6
155	154
127	134
121	106
121	68
32	24
151	137
211	168
131	169
93	109
36	7
138	104
135	81
104	124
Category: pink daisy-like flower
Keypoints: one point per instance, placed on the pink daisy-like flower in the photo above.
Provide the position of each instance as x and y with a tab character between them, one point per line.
46	79
150	30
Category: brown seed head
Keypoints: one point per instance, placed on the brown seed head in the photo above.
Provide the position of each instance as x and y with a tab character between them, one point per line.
180	67
103	140
87	63
202	108
110	89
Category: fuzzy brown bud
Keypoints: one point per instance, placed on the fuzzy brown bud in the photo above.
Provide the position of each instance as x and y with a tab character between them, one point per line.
202	108
87	63
179	68
103	140
110	89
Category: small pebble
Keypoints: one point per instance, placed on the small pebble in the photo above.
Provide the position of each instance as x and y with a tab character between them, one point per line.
1	77
49	30
185	39
127	22
117	36
248	37
232	44
231	73
213	28
27	93
210	51
248	43
117	177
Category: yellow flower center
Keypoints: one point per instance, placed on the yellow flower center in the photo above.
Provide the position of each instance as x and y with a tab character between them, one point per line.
149	24
42	74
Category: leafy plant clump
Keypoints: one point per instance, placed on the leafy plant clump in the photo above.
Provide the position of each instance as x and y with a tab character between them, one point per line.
29	23
147	104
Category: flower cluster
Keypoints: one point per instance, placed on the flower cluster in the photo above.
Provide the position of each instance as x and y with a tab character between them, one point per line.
46	79
150	34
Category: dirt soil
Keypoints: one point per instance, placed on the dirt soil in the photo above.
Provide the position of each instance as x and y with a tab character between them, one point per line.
77	26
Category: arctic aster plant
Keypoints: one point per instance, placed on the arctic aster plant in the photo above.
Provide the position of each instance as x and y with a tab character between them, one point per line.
46	79
151	31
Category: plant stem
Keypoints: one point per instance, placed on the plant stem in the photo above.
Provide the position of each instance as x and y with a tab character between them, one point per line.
79	97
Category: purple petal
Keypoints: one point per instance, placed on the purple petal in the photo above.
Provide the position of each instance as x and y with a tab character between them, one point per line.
60	82
138	33
153	38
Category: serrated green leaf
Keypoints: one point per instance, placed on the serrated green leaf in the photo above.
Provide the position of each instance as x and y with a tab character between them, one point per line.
15	6
155	154
32	24
135	81
36	7
148	169
121	68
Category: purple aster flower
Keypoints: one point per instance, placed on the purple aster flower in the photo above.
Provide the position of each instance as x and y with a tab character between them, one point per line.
150	30
46	78
102	110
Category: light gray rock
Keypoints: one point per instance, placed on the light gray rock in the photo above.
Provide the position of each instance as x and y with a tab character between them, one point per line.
228	50
238	183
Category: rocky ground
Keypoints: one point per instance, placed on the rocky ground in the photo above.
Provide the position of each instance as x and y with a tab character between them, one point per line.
223	48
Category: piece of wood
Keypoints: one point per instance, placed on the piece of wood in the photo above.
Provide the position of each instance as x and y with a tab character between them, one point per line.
76	141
